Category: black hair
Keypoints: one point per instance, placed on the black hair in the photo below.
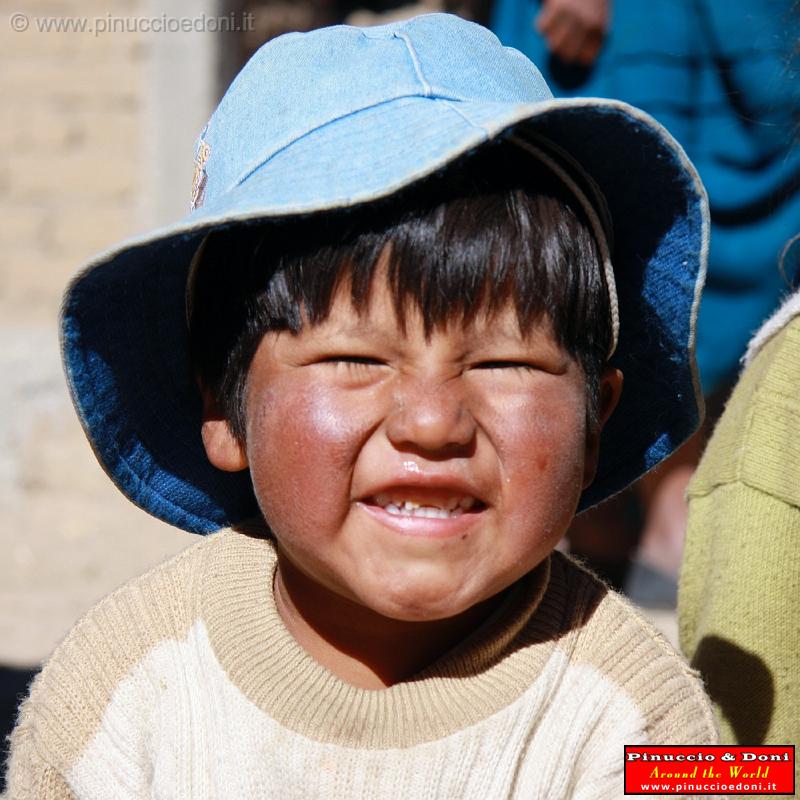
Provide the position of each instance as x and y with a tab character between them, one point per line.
493	228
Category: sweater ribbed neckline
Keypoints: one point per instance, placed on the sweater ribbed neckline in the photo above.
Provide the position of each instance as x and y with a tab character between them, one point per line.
484	673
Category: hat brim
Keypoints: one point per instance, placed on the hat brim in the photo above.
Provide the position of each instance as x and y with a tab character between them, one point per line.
124	332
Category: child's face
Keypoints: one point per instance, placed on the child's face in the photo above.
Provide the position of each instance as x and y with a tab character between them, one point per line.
350	419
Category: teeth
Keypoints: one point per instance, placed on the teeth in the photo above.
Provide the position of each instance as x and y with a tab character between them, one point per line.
408	509
454	507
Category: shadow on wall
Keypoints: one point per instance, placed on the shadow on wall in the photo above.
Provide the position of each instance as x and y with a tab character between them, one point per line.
741	684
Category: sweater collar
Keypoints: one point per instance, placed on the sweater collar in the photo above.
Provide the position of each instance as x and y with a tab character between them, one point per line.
788	310
484	673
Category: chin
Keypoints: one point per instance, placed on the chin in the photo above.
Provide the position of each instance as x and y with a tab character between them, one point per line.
422	614
423	606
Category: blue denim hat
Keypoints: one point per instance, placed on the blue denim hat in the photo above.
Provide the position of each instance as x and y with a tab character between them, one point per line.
343	116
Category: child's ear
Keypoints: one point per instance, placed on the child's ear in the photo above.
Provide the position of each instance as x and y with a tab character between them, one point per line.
223	449
609	391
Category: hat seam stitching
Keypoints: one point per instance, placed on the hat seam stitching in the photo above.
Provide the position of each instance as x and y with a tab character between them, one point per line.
416	63
248	173
453	107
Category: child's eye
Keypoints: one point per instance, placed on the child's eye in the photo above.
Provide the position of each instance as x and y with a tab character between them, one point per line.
504	365
352	362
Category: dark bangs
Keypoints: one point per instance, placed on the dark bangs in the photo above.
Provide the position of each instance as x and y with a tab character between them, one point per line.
495	228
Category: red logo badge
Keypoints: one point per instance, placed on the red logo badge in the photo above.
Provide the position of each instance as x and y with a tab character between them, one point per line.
714	769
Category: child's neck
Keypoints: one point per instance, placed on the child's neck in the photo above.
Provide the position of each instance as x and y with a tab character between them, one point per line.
360	646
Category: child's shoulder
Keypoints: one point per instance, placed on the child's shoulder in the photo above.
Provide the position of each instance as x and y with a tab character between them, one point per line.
757	439
70	695
161	604
608	639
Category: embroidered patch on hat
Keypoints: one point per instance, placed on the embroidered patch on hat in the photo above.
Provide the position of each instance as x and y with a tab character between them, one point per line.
201	155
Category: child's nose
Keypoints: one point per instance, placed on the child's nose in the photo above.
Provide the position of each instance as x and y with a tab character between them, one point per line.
433	419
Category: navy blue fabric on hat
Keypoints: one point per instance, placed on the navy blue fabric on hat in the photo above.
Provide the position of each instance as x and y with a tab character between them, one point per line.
343	116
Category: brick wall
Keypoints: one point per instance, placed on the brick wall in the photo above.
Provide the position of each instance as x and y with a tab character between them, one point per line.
76	175
71	139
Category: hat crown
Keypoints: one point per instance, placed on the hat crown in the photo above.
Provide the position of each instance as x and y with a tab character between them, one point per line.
300	82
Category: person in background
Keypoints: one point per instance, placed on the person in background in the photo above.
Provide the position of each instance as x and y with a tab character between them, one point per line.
739	599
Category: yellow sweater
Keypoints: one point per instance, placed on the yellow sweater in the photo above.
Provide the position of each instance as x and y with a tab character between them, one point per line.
739	599
186	684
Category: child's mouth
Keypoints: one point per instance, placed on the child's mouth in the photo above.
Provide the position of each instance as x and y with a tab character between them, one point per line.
424	512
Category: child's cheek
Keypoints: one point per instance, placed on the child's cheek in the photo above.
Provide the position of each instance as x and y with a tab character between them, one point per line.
302	443
546	434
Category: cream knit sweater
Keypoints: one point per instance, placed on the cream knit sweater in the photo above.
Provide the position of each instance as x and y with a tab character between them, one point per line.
186	684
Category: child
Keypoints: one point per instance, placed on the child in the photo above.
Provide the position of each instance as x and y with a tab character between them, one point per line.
391	391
